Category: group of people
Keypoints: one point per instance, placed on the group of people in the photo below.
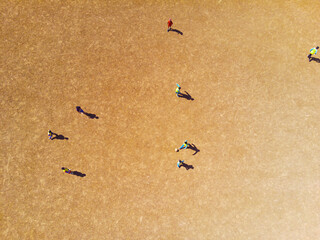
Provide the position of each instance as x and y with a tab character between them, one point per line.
51	134
185	145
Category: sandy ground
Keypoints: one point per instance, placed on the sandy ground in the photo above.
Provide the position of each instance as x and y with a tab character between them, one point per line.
254	118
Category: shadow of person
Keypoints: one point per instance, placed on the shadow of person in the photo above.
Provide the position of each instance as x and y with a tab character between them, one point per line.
59	136
186	95
194	148
186	166
315	59
79	174
177	31
91	115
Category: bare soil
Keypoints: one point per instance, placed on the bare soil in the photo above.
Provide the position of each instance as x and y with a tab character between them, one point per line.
254	118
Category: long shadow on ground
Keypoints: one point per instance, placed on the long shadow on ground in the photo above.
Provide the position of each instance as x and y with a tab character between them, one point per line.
91	115
177	31
186	95
187	166
315	59
59	137
79	174
194	148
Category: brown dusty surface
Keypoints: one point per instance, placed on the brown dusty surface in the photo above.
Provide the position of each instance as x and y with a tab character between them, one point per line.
255	119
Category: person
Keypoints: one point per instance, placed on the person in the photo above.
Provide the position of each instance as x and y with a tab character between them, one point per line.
313	51
66	170
178	90
170	23
180	163
185	145
79	109
50	134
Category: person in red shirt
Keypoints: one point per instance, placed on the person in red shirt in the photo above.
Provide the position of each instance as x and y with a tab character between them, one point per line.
170	23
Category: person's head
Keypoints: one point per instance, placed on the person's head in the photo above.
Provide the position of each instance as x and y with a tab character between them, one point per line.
62	168
185	141
317	47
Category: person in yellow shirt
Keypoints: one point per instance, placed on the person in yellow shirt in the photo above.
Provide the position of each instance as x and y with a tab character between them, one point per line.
50	134
185	145
178	90
66	170
313	51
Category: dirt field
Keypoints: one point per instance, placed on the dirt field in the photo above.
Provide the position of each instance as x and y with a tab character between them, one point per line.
254	118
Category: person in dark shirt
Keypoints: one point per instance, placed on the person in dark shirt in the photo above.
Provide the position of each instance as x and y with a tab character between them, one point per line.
79	109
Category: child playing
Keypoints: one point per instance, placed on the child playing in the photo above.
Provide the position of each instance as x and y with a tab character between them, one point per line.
313	51
50	134
170	23
79	109
185	145
179	163
66	170
178	90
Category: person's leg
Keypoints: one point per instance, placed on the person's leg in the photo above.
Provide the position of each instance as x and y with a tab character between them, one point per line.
182	164
53	137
